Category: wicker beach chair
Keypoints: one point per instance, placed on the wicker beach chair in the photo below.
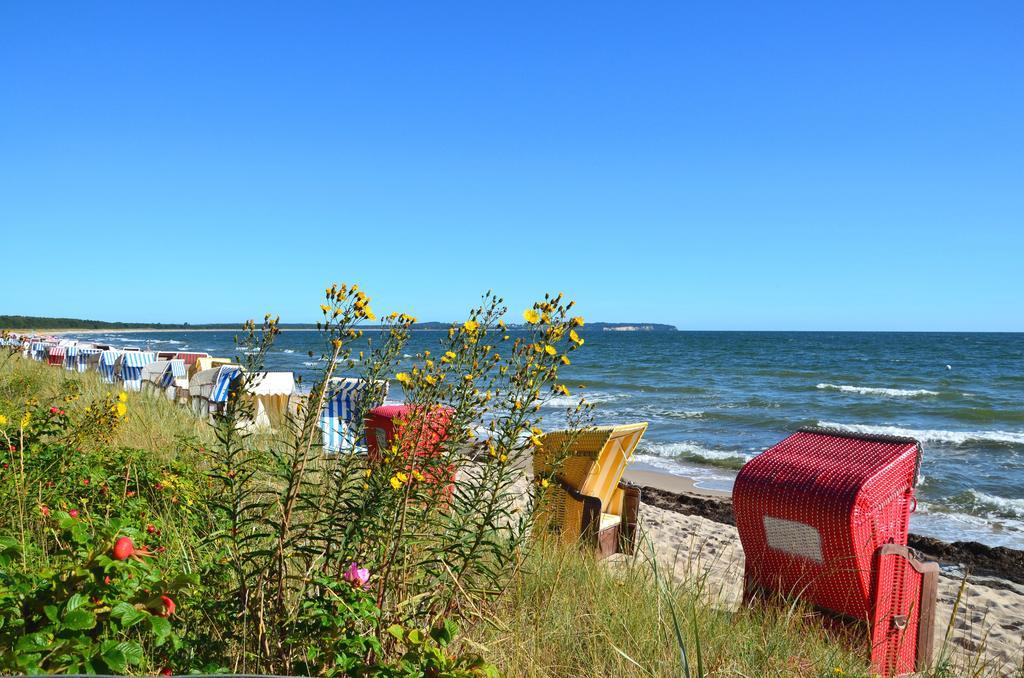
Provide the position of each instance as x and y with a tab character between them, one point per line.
129	368
590	503
55	355
823	516
344	401
418	435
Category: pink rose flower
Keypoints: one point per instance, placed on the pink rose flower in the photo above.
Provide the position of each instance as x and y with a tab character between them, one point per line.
357	576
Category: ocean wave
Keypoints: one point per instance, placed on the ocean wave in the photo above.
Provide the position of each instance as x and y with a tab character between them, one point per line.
1011	508
683	414
694	452
561	402
932	435
887	392
955	525
288	350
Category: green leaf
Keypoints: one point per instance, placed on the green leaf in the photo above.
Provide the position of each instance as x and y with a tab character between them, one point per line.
132	651
74	602
115	659
33	642
128	614
161	627
397	631
80	619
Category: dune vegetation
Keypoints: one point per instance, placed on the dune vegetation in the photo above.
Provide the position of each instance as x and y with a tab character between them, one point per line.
138	538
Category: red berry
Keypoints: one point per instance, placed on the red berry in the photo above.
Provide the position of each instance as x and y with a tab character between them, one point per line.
166	672
123	548
73	513
168	606
53	410
130	493
106	580
150	528
45	510
85	481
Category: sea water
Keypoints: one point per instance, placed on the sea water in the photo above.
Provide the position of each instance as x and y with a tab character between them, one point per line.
716	399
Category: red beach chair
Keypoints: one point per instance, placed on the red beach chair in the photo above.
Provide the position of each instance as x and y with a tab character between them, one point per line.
823	516
418	433
55	356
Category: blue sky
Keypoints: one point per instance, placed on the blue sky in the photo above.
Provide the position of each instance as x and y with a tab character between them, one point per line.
710	165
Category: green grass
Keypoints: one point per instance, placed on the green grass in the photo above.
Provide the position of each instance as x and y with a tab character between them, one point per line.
569	615
153	423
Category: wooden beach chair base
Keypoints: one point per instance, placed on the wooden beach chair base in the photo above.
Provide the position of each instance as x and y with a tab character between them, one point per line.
607	532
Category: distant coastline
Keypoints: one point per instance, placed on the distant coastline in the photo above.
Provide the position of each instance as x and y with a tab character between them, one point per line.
25	323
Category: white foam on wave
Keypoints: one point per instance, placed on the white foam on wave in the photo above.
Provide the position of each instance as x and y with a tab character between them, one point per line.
562	402
955	526
693	451
288	350
931	435
1013	507
873	390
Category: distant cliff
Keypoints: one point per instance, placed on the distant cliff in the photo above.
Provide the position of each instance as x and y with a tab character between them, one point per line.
631	327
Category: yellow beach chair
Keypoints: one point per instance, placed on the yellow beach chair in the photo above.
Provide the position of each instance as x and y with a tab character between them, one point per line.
590	504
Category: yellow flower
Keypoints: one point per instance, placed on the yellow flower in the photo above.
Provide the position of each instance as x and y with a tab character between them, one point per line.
550	350
3	420
448	356
578	321
470	325
122	396
325	308
536	441
503	458
565	360
418	476
122	409
401	477
577	339
26	419
561	388
531	316
395	483
430	379
367	472
403	378
544	482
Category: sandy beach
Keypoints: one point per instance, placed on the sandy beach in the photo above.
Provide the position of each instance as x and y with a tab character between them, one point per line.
989	618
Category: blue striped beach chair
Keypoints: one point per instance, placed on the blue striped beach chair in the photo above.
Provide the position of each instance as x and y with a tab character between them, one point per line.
39	350
129	368
86	357
107	365
176	370
344	402
71	358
